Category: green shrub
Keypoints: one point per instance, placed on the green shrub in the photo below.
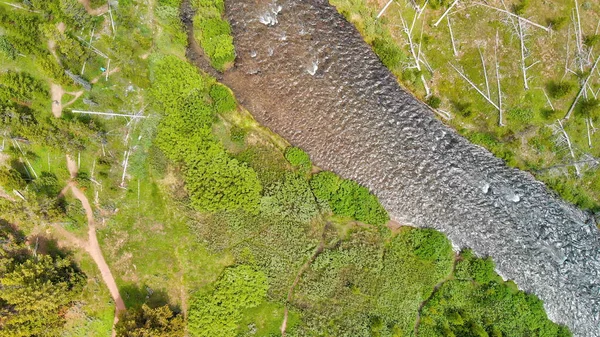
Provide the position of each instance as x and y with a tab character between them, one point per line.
35	291
434	101
520	7
291	198
216	40
520	115
588	108
549	114
223	100
389	53
591	40
237	134
217	182
217	313
11	179
146	321
20	86
325	184
348	198
560	89
557	23
7	48
298	158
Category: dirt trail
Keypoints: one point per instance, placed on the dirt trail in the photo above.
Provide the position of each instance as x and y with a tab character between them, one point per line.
304	267
93	11
57	92
91	245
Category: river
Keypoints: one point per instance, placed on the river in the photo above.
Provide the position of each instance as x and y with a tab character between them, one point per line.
306	73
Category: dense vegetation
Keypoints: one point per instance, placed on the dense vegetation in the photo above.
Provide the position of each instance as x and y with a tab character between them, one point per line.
214	33
35	289
211	225
538	80
155	322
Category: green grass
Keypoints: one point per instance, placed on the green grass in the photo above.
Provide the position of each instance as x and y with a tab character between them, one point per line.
265	320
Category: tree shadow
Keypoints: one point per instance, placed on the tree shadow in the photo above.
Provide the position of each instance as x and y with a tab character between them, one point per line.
135	296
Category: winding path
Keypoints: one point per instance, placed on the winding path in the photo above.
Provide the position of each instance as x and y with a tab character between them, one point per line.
91	245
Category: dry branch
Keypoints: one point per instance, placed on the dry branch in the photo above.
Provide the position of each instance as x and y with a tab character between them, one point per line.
474	86
582	89
515	15
445	13
384	8
452	37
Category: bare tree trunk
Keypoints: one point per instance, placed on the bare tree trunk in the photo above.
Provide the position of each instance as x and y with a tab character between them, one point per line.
587	124
515	15
452	37
500	119
582	89
548	99
474	86
384	8
570	147
445	13
523	67
487	83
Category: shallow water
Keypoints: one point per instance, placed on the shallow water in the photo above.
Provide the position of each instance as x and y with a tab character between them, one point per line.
306	73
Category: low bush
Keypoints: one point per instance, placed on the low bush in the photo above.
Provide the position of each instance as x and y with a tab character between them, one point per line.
348	198
216	313
560	89
298	158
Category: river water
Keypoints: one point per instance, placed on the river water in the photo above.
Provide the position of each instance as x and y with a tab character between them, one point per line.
306	73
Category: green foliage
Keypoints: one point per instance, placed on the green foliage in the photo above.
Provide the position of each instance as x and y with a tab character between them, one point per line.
325	184
237	134
298	158
469	267
216	40
520	7
47	185
217	313
434	101
10	179
222	98
520	114
461	308
435	4
216	182
7	48
591	40
34	290
560	89
389	53
149	322
20	86
557	23
291	198
348	198
588	108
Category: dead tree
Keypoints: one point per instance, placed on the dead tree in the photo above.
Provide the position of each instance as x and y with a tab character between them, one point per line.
582	90
452	37
514	16
487	83
384	8
474	86
500	119
521	31
416	57
445	13
563	138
